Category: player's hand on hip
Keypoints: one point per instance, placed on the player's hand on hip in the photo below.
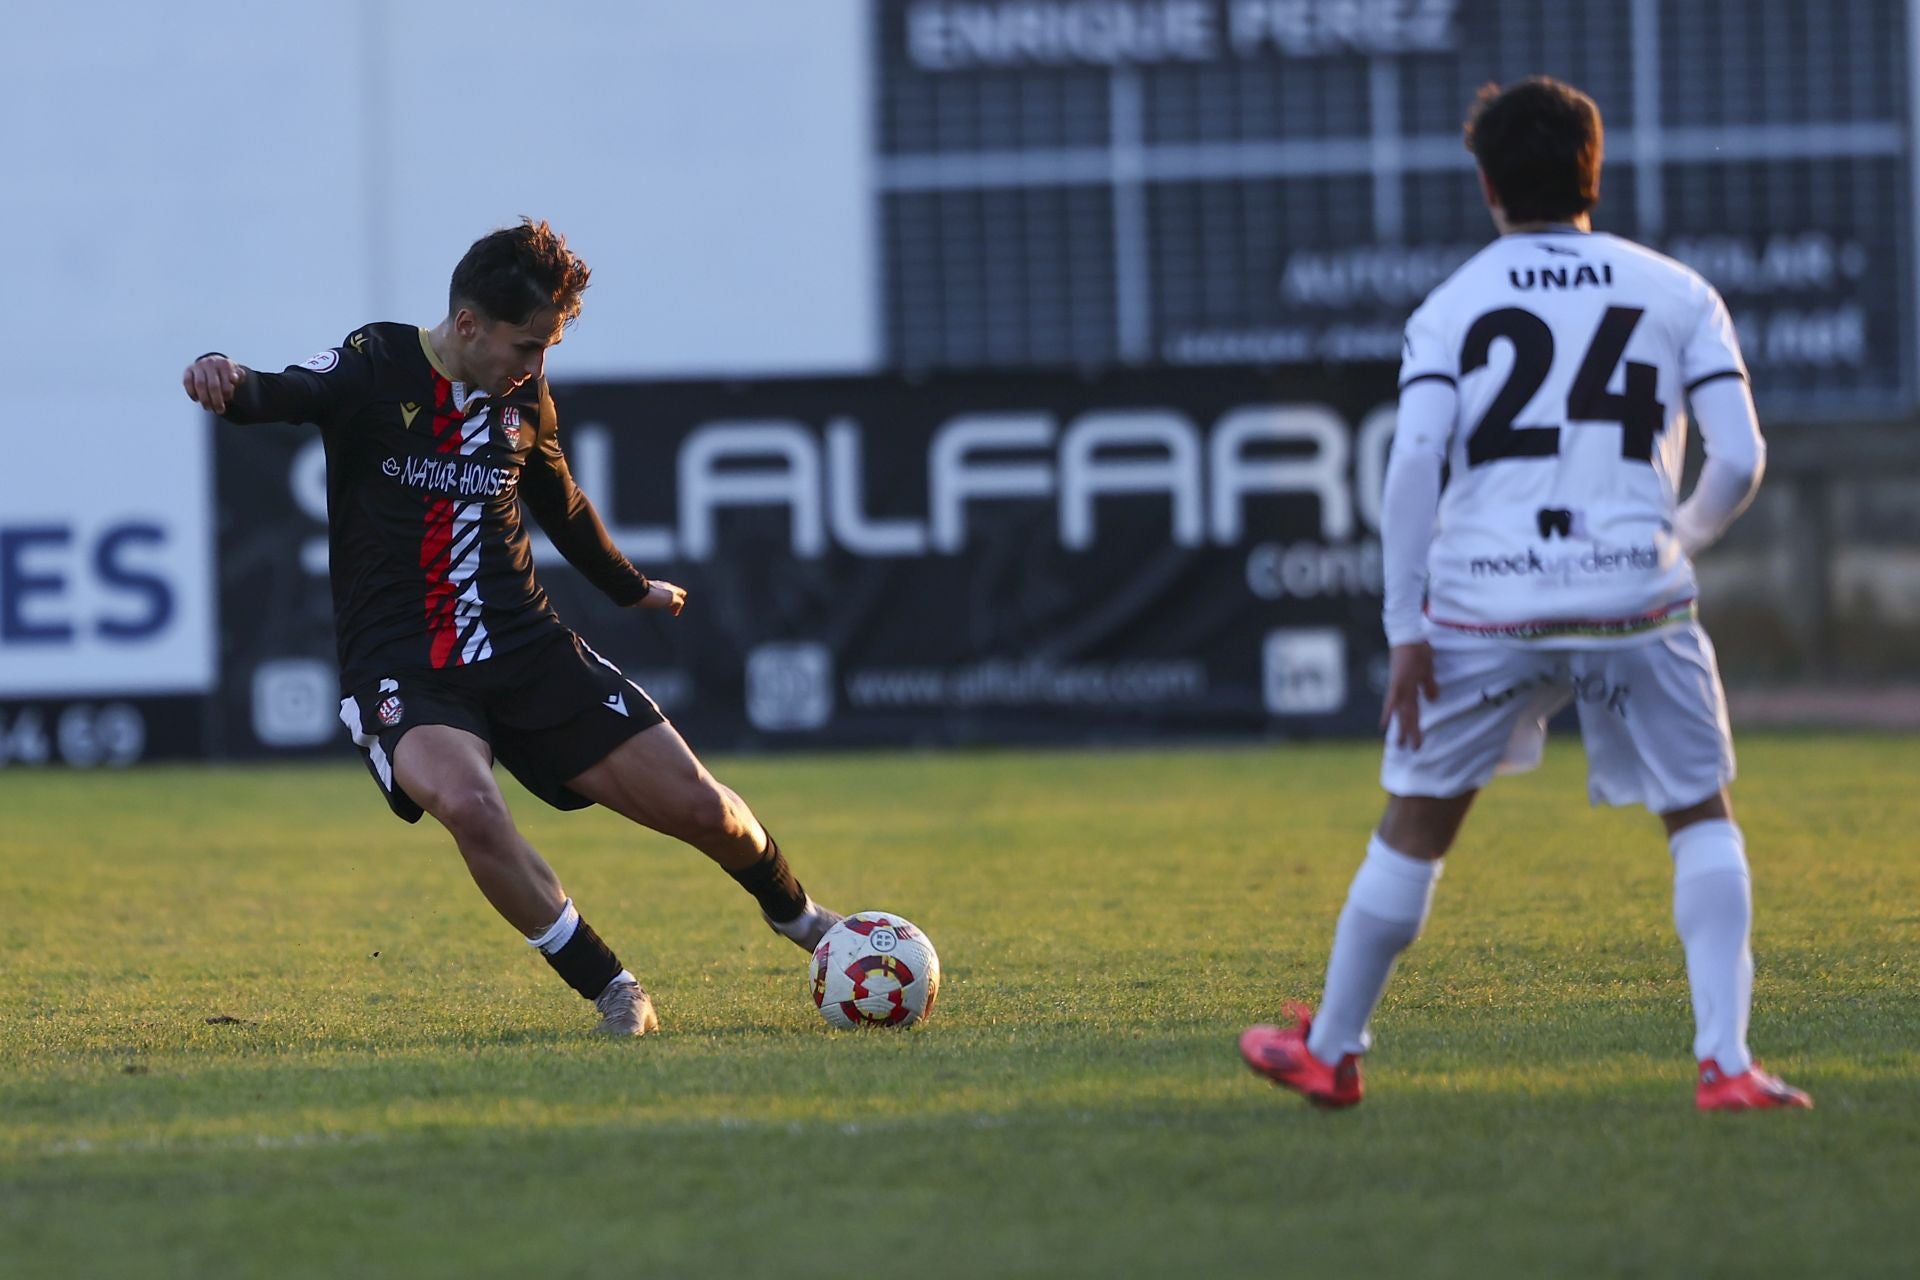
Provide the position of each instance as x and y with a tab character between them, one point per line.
1408	677
210	381
664	595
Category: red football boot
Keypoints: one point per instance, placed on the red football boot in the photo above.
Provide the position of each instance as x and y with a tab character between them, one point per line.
1751	1090
1280	1054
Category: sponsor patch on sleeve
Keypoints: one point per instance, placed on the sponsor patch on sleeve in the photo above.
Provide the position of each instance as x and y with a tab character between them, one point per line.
322	361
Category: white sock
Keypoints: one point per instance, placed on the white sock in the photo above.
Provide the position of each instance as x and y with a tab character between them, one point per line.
624	978
560	932
1385	910
797	927
1712	911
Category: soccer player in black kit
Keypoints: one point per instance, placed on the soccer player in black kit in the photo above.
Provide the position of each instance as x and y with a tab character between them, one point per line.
450	654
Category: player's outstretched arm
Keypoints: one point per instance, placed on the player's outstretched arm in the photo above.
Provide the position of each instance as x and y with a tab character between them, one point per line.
563	509
211	381
323	388
664	595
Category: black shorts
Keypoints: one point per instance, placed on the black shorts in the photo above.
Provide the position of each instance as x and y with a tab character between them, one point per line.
550	711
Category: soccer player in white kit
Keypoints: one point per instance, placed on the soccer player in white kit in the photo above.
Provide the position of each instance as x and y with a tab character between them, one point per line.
1547	379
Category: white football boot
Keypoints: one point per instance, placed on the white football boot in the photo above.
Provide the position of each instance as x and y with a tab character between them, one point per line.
626	1010
806	929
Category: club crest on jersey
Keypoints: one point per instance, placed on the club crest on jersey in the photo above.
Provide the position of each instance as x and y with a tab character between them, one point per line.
323	361
510	425
390	710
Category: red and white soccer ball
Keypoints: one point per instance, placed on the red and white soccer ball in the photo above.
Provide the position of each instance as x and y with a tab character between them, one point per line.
874	969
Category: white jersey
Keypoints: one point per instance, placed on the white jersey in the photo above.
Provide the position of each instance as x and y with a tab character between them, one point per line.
1572	354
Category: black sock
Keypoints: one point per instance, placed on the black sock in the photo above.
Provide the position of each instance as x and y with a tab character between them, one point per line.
772	885
586	963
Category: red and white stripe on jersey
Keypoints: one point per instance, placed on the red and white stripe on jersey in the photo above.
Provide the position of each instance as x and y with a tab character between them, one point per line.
450	543
1577	628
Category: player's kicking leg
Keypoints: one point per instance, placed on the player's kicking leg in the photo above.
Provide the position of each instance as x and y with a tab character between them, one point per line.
1713	914
1318	1055
653	778
448	772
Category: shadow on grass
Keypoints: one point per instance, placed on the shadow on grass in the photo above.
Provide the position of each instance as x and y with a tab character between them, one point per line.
1440	1177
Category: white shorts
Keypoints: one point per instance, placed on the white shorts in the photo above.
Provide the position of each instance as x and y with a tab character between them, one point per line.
1653	717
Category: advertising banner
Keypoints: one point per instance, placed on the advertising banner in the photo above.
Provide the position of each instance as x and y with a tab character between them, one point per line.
104	732
963	559
104	555
1272	181
106	602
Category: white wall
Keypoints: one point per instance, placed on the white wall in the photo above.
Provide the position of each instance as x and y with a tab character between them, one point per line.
709	160
259	178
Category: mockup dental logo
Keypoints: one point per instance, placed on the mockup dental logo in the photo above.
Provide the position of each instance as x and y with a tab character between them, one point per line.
1560	522
1594	561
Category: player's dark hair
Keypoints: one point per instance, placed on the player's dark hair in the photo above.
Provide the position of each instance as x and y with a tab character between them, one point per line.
1539	143
516	272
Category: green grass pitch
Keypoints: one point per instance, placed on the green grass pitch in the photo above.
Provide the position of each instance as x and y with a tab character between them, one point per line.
408	1091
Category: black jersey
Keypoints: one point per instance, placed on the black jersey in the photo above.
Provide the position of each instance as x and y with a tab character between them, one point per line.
430	560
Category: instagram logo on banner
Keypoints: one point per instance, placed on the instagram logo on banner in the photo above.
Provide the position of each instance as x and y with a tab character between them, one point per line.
789	686
294	703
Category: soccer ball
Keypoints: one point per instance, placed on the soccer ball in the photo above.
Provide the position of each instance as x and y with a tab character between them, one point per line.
874	969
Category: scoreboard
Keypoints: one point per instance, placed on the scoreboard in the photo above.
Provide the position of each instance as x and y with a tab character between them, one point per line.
1170	182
